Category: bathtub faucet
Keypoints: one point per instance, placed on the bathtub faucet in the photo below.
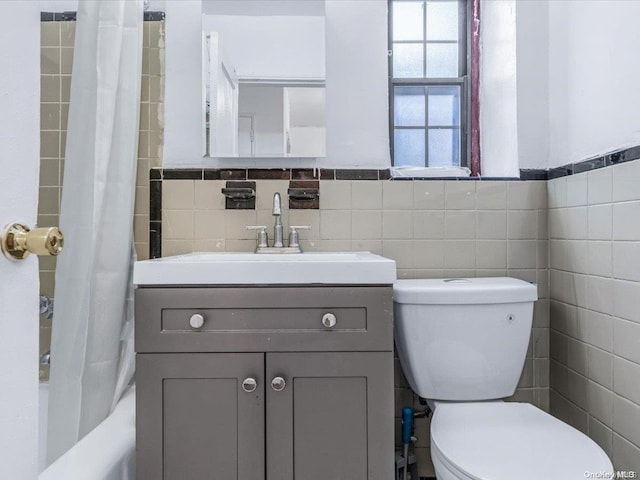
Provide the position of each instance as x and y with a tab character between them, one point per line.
45	358
46	306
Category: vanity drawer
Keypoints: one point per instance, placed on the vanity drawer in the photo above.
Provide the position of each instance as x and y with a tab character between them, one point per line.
262	319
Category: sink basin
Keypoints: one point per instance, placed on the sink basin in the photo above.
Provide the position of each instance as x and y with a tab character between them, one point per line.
327	268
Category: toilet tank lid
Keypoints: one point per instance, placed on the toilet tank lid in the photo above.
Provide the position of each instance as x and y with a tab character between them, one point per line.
455	291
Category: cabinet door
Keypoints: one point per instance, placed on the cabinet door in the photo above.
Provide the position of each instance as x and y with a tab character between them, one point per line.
194	419
334	417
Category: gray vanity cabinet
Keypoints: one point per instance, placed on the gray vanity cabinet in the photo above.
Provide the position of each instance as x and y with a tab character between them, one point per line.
194	421
322	407
334	418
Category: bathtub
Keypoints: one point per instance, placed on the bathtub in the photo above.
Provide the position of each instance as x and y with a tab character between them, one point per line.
106	453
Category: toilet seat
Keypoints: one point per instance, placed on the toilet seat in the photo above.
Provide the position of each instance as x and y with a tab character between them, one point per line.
503	441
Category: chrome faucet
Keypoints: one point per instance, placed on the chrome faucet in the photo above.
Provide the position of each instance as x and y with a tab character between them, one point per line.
277	228
278	241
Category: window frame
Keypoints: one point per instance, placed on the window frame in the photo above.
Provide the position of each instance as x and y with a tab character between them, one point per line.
465	18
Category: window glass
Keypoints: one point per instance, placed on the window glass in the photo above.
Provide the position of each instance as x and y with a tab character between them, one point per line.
444	147
408	23
409	107
442	60
428	82
409	145
408	60
442	20
444	106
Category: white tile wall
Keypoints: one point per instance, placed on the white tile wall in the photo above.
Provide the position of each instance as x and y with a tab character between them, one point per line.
594	228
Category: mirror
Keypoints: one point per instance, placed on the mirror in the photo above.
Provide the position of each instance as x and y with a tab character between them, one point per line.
264	77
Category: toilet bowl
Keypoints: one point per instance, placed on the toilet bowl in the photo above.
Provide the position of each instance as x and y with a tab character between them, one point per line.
462	345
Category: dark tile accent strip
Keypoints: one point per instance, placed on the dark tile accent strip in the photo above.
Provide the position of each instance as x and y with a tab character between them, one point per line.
622	156
305	174
71	16
155	200
560	171
155	213
533	174
154	16
327	174
65	17
268	174
241	174
632	153
612	158
233	174
155	174
182	174
211	174
155	239
356	174
588	165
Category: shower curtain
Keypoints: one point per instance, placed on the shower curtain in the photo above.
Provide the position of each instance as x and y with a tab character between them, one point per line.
92	342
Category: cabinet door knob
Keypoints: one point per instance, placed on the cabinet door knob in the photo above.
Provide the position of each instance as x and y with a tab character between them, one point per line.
278	384
249	384
329	320
196	321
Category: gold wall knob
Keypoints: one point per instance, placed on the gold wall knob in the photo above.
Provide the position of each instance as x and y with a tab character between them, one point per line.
18	241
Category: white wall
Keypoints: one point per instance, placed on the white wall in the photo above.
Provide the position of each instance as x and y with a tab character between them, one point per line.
532	22
19	154
593	71
183	112
498	89
58	5
357	84
271	46
72	5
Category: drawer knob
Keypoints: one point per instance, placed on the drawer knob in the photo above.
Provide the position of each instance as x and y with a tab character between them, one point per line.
278	384
249	384
329	320
196	321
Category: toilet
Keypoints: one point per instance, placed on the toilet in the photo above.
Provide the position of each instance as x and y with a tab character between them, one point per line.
462	344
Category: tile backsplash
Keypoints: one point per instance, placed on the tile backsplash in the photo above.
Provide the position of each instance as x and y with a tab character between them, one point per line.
594	231
430	228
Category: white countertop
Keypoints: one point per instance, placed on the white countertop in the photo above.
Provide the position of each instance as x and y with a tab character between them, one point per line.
324	268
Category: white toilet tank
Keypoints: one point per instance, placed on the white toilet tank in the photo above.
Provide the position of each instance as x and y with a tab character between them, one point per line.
463	339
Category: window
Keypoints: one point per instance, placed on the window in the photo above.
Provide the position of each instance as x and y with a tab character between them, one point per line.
429	100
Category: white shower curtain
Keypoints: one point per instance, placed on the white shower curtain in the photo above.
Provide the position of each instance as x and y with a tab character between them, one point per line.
91	347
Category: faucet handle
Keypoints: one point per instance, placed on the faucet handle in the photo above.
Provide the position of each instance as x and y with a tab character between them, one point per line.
293	235
263	238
